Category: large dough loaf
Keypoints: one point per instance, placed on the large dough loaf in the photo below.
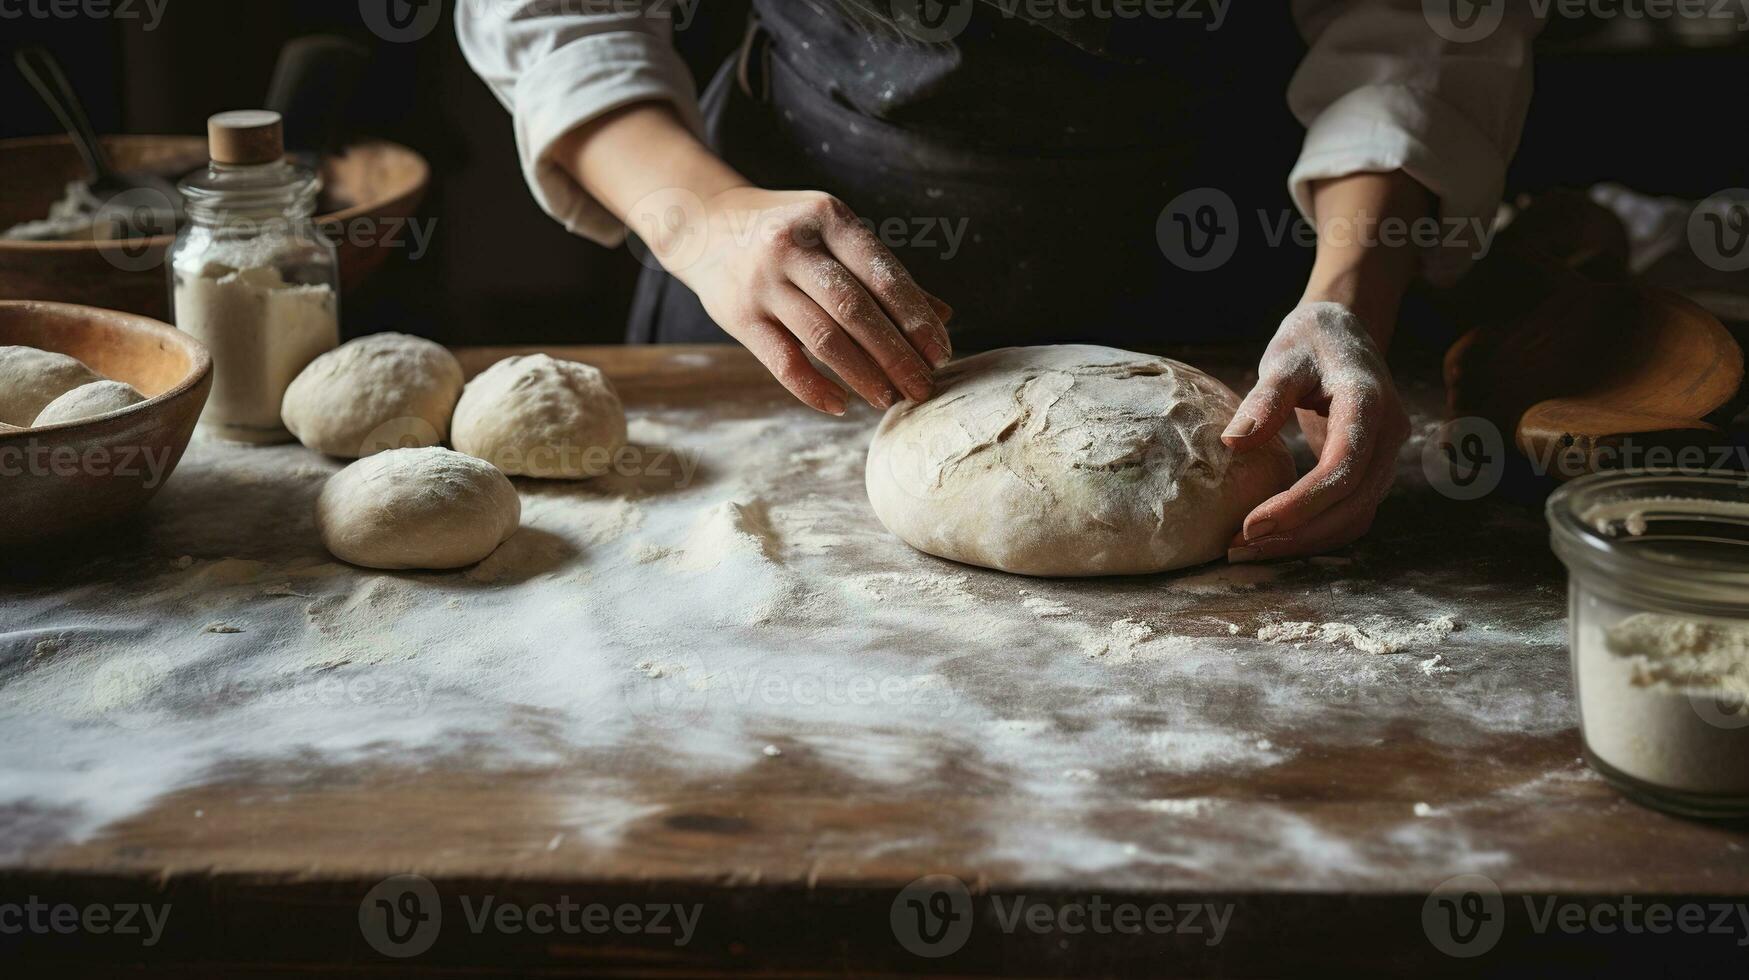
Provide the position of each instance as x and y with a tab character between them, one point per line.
1070	460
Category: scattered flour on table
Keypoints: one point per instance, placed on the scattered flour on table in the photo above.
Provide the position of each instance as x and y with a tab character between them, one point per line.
728	529
1044	608
1375	637
686	623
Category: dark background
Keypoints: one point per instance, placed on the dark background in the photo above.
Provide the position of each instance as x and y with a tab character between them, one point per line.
1627	101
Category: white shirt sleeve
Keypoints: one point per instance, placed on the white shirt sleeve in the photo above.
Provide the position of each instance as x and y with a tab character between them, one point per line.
1385	87
555	68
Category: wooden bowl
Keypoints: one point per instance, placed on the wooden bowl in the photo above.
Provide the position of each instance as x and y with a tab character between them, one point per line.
376	182
62	480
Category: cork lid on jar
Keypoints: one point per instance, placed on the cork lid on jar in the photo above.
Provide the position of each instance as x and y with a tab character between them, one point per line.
246	137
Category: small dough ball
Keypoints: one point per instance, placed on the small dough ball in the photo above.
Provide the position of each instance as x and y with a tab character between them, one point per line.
417	508
31	378
536	416
89	401
1071	460
385	391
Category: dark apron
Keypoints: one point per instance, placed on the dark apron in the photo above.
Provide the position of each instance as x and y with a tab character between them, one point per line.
1019	174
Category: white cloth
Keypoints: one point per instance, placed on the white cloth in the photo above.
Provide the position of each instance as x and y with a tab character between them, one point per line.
1380	90
556	69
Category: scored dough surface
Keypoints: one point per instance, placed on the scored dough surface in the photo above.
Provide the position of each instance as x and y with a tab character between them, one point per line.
1069	460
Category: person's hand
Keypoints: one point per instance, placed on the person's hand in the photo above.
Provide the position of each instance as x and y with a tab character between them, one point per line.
792	272
1324	365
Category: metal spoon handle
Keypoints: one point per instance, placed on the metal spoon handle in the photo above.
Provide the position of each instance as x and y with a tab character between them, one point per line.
40	68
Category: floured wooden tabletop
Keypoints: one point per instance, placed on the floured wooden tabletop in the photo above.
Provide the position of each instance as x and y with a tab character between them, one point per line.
713	675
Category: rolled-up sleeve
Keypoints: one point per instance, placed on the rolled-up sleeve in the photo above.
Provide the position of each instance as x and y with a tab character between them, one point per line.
557	64
1385	87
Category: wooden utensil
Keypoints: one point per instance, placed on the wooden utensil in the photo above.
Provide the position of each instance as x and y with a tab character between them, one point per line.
142	204
1584	369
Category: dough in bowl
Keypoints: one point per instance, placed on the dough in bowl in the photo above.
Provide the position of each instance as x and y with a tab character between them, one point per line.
31	378
537	416
384	391
1070	460
88	401
417	508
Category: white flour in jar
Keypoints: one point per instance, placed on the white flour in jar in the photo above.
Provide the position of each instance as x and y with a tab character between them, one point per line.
1664	700
262	331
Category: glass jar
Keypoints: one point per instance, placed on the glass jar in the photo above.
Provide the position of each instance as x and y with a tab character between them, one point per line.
1658	620
252	276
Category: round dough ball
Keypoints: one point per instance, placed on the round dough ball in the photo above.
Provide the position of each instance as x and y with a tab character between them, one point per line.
31	378
1071	460
536	416
385	391
417	508
88	401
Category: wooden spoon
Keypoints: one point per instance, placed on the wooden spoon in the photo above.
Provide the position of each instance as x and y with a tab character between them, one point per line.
1587	374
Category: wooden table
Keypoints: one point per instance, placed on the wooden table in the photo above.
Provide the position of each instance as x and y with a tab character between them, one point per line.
1325	852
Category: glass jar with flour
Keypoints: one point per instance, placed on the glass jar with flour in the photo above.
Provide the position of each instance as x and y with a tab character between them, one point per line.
252	276
1658	568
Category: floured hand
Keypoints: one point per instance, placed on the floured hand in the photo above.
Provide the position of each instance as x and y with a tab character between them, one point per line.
1323	365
